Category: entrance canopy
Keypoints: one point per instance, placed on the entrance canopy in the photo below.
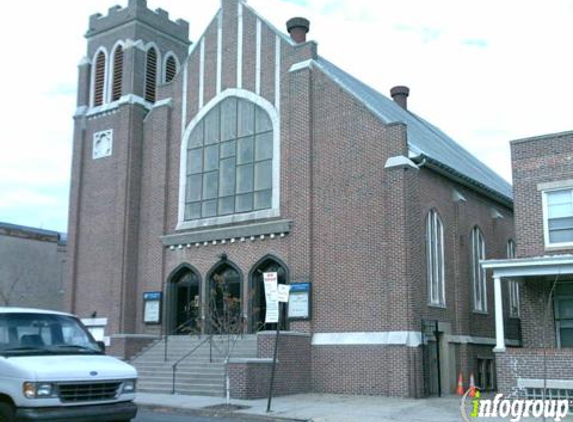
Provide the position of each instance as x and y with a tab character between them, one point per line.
522	268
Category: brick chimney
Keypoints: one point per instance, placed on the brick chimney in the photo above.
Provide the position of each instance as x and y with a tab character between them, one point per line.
298	28
400	96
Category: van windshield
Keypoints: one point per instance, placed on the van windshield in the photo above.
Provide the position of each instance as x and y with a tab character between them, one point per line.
36	333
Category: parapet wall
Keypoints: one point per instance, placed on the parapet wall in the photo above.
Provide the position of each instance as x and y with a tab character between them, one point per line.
137	9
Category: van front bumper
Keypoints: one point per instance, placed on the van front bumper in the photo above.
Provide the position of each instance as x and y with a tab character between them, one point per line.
122	411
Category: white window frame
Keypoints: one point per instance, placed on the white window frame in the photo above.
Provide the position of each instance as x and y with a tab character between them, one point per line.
513	286
164	66
158	70
110	78
478	272
557	318
183	224
548	243
435	268
105	78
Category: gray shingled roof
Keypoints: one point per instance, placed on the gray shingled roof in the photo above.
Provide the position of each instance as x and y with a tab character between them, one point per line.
424	139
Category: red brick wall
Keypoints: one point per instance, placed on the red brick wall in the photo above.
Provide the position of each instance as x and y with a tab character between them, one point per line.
251	379
532	363
534	161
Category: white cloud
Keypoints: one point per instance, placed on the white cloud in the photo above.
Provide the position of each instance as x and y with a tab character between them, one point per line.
484	71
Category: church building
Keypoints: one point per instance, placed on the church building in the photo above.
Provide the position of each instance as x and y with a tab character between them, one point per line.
244	152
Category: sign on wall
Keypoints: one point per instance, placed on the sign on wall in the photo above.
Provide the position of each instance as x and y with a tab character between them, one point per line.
299	301
152	307
271	296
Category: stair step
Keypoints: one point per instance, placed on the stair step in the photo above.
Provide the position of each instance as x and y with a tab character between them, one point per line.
200	373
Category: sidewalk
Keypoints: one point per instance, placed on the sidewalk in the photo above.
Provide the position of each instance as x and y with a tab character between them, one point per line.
323	407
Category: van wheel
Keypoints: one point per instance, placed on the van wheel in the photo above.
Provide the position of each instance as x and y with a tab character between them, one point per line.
6	413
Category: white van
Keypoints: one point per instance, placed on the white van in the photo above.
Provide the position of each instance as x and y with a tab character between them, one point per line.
51	369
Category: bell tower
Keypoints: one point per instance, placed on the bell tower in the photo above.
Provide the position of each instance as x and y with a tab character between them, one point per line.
132	52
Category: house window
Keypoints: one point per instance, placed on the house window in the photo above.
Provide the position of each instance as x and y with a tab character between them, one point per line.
558	217
478	273
435	259
564	314
99	79
513	286
229	161
151	75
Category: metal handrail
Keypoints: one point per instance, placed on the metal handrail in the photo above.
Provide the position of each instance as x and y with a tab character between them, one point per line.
174	366
175	330
165	337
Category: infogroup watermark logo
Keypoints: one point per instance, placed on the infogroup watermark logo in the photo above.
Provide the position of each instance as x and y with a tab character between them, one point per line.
476	407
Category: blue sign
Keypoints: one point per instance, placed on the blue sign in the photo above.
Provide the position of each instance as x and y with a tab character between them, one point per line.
152	296
300	287
299	301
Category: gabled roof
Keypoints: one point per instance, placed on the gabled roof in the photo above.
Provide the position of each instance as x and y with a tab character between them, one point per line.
425	141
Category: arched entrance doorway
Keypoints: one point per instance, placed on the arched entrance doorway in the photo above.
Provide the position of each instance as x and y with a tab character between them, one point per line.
258	301
224	313
184	302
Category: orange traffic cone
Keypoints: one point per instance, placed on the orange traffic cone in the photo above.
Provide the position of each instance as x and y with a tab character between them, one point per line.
460	389
472	386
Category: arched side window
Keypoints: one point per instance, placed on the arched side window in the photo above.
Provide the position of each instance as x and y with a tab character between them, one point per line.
229	168
513	286
171	67
478	273
117	78
224	310
99	79
151	74
435	259
185	302
258	306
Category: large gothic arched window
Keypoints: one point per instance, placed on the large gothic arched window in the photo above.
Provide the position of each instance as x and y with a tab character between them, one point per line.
229	161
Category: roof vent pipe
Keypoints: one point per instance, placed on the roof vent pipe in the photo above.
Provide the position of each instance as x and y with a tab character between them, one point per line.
400	96
298	28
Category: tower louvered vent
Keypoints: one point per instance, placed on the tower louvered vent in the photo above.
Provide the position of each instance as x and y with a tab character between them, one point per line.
170	69
151	75
99	79
117	74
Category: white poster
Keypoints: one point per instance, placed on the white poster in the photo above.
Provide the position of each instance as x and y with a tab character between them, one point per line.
271	296
283	292
151	311
298	305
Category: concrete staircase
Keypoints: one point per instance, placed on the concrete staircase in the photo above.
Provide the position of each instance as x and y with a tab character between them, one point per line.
201	373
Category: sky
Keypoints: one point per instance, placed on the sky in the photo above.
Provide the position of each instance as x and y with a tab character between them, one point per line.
484	71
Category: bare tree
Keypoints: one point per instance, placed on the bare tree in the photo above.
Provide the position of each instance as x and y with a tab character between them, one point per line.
8	283
226	322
